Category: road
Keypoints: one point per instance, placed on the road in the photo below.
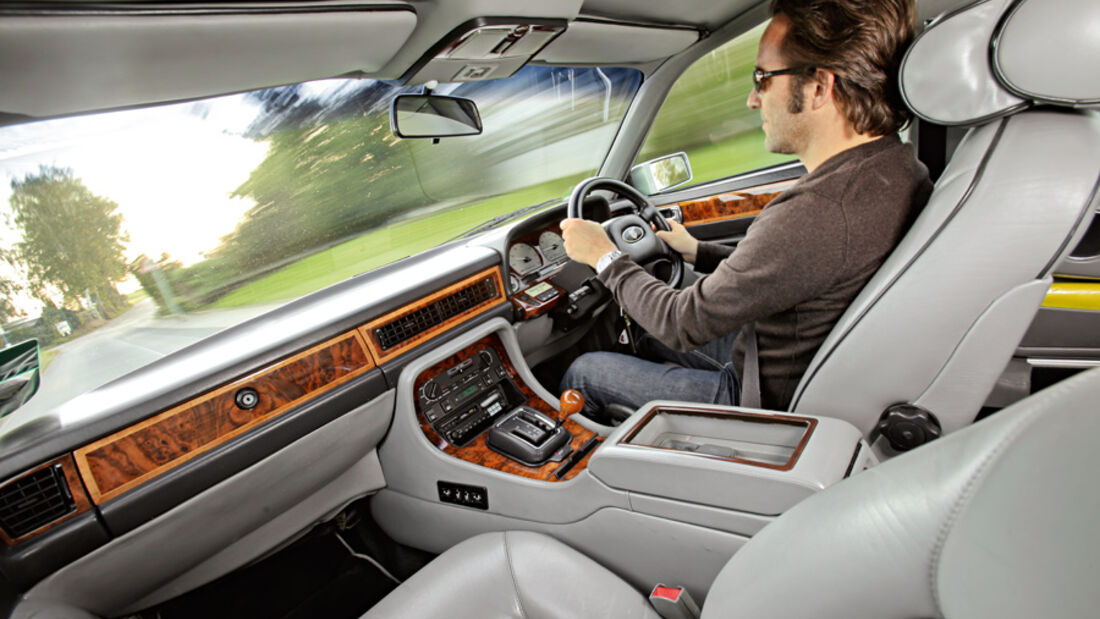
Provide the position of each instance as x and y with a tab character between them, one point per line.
124	344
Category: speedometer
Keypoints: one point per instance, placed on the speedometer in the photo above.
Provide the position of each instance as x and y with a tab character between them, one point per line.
523	258
552	246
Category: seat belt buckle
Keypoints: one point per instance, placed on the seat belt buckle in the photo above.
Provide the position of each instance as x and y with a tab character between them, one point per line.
673	602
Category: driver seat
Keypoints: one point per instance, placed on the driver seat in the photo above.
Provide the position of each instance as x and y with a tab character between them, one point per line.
937	324
996	520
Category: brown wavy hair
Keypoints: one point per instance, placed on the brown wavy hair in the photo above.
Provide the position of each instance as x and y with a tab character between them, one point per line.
862	42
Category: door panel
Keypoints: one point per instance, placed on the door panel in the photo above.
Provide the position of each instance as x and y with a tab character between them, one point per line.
721	211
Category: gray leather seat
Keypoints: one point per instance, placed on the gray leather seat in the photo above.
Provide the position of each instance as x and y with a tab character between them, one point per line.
939	321
996	520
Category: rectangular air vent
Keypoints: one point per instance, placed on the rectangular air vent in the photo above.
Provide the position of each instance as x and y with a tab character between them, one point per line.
435	313
34	501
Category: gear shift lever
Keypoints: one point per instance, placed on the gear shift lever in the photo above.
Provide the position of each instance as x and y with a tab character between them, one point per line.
571	402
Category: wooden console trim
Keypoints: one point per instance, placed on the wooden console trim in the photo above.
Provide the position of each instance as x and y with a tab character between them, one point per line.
531	307
730	205
809	423
381	356
76	489
141	452
477	451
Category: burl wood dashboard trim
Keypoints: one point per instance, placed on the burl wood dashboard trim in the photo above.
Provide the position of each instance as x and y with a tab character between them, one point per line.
76	489
809	423
128	458
381	356
730	205
477	451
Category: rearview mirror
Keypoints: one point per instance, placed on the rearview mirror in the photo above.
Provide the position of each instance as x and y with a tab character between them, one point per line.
657	175
433	116
18	375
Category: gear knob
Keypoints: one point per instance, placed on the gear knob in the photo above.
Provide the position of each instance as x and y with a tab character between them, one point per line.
571	402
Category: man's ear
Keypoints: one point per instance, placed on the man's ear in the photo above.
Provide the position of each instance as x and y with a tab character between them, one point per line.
823	82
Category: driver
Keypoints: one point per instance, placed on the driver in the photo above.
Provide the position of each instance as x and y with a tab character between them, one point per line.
826	87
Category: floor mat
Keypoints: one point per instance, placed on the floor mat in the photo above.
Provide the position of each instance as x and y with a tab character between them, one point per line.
314	577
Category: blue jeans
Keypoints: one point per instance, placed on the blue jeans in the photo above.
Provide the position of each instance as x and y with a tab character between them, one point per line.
705	374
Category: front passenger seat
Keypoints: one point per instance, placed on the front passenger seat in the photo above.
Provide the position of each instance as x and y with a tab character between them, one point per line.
996	520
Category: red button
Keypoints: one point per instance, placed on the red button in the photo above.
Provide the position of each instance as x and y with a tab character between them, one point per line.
669	593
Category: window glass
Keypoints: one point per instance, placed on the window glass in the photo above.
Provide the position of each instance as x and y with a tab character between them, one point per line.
128	235
706	116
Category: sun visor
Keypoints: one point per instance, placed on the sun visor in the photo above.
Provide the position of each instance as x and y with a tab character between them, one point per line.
946	76
485	49
1049	51
590	42
79	61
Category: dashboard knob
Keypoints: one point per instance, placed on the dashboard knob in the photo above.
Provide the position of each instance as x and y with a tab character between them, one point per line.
430	391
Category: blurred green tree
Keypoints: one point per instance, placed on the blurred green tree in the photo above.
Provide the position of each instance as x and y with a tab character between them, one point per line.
71	238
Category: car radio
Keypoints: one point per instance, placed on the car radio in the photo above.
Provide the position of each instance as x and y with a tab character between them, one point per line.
464	400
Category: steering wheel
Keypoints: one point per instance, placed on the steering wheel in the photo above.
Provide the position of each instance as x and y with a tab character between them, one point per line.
633	233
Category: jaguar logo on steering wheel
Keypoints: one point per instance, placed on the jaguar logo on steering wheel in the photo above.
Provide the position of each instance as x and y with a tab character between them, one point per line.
633	234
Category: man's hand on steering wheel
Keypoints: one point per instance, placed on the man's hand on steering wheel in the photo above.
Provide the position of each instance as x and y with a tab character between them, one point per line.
632	233
585	241
680	240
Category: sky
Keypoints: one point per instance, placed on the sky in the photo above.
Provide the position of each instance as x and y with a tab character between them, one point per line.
170	169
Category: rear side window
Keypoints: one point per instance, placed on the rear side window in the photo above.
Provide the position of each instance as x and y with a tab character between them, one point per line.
706	116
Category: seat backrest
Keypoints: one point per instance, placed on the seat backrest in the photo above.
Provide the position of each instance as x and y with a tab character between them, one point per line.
996	520
939	321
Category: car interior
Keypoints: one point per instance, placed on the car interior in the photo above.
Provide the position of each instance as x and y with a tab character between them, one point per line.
395	444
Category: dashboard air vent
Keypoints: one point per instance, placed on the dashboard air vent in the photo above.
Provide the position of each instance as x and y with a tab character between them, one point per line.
435	313
34	500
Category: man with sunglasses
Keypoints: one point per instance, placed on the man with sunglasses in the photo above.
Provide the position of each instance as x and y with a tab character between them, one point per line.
825	84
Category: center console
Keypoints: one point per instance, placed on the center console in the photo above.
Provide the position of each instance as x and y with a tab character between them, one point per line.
475	406
643	500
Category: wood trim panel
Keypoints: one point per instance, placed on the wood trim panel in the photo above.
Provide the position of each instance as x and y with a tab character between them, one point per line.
477	451
76	489
532	307
382	356
133	456
788	420
730	205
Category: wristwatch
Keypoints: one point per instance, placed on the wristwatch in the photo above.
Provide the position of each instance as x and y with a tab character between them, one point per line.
606	259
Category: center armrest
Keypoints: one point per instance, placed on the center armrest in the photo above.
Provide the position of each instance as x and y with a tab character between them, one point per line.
728	457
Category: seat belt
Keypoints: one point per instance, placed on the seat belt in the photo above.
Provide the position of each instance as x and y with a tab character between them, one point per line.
750	382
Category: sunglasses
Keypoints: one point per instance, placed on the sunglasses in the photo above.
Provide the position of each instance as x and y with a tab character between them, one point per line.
760	75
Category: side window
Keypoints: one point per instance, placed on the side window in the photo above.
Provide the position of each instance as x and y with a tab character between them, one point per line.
706	117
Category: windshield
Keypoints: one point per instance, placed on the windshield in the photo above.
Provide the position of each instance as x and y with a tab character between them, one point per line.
129	235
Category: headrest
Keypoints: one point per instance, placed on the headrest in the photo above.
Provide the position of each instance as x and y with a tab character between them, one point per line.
996	57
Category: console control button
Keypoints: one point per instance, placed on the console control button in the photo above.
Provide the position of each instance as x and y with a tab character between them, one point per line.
461	494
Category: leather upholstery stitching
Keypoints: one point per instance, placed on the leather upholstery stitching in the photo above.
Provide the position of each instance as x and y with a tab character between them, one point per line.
971	487
512	573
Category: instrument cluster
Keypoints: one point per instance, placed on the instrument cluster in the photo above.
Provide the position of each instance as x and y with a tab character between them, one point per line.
534	257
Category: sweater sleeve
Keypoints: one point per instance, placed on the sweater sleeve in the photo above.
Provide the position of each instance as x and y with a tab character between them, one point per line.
792	252
710	255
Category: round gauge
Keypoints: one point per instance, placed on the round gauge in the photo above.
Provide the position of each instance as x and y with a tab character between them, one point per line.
552	246
523	258
514	282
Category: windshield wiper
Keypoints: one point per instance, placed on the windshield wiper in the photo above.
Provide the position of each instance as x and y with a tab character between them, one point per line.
499	219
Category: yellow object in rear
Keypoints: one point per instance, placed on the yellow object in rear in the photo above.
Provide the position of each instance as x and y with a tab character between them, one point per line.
1074	295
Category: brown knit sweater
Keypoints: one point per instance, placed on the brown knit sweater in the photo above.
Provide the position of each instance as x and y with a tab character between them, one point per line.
801	263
